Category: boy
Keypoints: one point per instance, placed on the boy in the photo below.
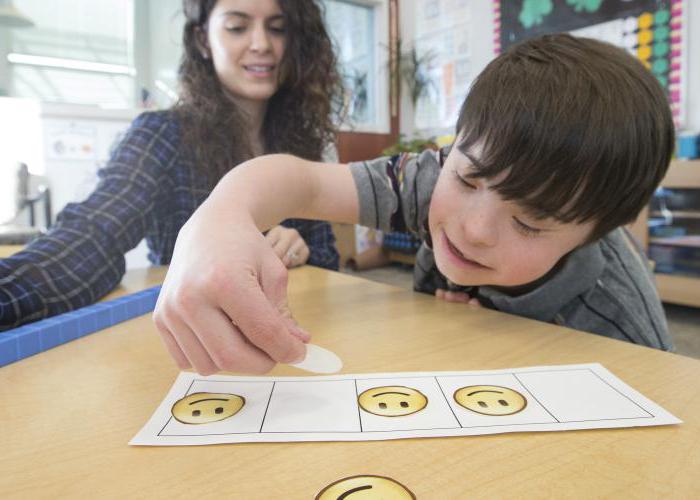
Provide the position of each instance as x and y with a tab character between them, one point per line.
560	142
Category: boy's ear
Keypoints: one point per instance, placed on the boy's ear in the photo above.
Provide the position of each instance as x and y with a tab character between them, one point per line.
200	38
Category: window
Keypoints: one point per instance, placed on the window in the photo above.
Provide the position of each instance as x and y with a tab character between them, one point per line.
79	51
359	30
83	52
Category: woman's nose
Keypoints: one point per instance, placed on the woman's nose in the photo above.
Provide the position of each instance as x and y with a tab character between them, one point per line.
260	41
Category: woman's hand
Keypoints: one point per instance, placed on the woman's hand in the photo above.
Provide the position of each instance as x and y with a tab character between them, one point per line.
223	305
461	297
289	246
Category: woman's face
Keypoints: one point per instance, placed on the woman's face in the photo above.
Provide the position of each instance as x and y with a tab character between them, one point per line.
246	40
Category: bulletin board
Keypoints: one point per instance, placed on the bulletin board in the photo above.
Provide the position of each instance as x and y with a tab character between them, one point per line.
444	42
652	30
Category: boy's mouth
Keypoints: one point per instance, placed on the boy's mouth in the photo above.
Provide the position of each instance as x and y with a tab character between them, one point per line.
460	256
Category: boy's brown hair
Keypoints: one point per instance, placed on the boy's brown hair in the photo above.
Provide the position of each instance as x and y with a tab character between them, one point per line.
583	130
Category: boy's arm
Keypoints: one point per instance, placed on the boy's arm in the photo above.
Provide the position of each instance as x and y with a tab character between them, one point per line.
277	187
223	305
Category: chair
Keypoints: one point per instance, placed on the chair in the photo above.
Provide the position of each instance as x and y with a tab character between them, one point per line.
18	234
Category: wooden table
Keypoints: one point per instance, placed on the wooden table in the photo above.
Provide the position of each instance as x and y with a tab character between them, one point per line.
68	413
7	250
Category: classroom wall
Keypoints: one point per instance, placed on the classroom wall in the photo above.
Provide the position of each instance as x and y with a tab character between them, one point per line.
481	45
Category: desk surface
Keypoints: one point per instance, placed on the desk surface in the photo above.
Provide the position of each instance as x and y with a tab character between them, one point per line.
7	250
68	413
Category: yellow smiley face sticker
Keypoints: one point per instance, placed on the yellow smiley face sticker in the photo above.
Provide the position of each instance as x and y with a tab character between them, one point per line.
490	399
206	407
365	487
392	401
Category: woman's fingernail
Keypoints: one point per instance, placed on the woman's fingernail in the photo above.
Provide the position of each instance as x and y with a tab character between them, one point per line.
300	333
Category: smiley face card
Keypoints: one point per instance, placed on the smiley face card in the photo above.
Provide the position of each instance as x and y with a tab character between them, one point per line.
366	407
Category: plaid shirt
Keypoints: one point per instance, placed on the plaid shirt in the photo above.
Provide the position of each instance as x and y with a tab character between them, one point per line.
148	189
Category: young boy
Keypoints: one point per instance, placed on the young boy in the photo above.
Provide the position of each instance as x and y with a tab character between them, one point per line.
560	142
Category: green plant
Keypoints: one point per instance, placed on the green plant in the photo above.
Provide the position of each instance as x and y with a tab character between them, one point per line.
413	70
415	145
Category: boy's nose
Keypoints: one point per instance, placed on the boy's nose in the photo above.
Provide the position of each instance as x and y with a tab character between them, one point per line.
480	227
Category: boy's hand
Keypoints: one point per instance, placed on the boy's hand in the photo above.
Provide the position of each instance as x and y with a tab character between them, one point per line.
223	305
460	297
289	246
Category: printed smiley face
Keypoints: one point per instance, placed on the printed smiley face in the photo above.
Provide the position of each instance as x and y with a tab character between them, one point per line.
392	401
490	399
365	487
206	407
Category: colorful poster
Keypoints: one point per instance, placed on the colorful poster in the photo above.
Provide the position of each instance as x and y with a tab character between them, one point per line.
651	30
442	41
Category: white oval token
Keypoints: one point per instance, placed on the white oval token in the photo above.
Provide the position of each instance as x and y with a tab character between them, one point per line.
319	360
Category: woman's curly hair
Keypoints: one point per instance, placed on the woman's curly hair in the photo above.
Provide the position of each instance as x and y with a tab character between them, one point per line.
300	115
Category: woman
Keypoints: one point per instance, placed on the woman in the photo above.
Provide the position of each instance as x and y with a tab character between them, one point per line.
257	76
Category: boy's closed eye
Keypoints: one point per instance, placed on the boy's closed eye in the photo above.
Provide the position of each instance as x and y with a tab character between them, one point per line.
526	229
463	180
520	225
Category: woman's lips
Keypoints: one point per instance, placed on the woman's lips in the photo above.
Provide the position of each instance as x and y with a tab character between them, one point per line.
457	255
260	70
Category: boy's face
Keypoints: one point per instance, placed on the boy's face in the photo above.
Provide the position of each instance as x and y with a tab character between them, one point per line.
481	239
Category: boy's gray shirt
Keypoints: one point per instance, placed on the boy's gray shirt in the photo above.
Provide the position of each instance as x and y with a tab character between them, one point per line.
605	287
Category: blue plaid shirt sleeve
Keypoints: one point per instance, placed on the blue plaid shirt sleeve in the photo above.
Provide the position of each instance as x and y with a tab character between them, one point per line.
82	257
320	239
146	189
